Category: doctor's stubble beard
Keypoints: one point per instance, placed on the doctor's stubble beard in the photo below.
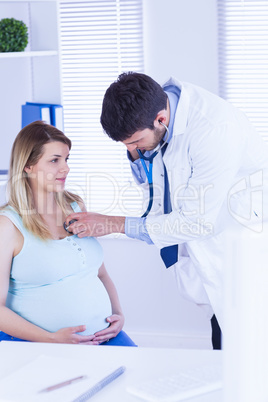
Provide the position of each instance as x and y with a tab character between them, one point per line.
159	134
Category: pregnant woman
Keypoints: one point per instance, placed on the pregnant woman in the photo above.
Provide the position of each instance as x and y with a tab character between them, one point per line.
53	285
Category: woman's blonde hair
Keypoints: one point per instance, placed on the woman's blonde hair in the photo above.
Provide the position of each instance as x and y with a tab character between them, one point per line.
27	149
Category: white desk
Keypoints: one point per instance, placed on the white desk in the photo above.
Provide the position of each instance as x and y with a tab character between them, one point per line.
141	363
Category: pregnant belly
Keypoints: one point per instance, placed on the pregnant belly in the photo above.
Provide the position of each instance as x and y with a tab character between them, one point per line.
70	302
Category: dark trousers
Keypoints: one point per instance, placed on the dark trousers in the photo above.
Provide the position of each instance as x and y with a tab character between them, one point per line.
216	333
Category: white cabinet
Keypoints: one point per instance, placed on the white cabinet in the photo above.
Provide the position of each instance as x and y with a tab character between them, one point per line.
32	75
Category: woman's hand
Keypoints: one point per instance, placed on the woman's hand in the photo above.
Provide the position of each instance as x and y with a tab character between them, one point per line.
116	324
69	335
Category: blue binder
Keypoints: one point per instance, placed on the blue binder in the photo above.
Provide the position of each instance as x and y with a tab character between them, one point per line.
33	112
56	116
29	114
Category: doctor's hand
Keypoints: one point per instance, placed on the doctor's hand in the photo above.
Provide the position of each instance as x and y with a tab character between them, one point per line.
116	324
69	335
92	224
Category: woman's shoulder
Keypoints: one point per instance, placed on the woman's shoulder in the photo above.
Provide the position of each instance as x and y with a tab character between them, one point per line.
7	226
5	221
8	212
11	239
9	217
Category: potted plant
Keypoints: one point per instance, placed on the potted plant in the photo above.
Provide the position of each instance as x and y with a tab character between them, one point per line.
13	35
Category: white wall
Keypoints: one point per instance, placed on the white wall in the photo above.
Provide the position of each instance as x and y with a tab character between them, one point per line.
155	313
181	41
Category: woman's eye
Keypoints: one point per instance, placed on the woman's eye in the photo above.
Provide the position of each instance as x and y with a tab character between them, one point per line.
66	160
54	160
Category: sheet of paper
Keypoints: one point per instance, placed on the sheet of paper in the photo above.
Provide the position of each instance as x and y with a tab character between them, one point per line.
26	383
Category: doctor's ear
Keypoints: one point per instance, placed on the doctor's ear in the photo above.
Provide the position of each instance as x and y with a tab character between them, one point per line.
161	118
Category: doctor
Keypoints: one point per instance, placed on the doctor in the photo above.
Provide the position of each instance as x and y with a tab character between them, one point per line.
203	156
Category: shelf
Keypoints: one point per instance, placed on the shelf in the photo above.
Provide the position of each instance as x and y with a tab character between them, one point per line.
27	1
35	53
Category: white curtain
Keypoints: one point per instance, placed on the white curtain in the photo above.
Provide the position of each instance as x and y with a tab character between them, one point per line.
243	58
99	40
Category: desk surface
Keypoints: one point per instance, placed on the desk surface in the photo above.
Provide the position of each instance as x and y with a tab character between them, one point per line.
141	363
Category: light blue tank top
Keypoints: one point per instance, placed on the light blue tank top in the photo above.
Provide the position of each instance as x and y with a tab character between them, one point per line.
54	283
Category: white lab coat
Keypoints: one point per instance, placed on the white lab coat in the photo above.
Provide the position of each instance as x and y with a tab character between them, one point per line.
215	162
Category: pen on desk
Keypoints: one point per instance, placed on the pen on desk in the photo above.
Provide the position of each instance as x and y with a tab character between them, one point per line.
63	384
99	385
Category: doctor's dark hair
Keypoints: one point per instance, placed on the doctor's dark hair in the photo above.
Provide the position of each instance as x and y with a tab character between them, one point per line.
27	150
131	104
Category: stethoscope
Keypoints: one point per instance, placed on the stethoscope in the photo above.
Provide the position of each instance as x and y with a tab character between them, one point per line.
67	227
149	172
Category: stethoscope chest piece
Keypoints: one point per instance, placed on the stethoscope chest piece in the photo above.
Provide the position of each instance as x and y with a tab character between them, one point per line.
67	227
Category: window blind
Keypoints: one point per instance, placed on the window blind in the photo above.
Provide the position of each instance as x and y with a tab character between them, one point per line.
243	58
99	40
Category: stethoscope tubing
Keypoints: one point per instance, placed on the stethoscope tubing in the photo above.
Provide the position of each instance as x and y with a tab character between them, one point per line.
149	172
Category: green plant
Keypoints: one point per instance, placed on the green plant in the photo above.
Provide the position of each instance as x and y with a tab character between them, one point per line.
13	35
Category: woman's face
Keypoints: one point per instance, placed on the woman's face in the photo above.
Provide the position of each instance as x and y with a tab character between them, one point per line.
50	172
